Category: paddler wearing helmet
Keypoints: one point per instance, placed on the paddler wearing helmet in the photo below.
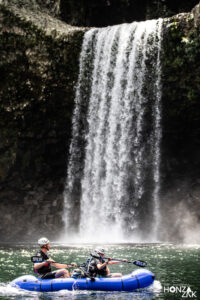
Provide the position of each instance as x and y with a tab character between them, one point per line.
97	266
42	263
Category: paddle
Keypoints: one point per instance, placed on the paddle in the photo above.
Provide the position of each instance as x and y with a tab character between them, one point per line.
138	263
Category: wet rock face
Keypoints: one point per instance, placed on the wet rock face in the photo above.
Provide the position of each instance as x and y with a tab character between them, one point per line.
29	211
39	68
181	125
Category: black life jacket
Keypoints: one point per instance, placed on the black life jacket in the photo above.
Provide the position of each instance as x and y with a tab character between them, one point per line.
91	267
41	258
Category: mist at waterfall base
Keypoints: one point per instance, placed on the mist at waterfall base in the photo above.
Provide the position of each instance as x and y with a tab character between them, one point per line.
186	224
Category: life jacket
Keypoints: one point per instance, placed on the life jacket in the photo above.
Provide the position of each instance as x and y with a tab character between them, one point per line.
41	258
91	267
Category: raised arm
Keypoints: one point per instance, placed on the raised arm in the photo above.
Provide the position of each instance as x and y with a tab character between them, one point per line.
113	262
101	266
60	266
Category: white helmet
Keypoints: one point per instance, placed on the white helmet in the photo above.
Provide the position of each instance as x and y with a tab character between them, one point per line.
100	251
43	241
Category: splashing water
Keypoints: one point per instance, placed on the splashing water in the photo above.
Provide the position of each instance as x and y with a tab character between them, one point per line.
113	182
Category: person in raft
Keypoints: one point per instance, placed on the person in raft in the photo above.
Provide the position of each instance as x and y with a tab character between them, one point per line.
99	267
42	263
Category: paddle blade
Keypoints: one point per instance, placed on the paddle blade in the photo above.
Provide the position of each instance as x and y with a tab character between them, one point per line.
140	263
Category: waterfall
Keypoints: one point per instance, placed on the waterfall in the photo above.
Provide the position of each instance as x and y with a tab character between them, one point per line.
113	180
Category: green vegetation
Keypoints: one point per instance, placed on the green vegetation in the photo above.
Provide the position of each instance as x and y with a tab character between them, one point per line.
38	73
181	111
181	69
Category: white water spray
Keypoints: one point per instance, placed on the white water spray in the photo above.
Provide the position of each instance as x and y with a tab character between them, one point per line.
113	182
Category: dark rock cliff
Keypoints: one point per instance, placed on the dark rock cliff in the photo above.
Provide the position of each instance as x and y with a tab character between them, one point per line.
180	171
39	68
109	12
101	13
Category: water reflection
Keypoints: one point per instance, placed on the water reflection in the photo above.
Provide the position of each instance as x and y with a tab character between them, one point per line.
8	292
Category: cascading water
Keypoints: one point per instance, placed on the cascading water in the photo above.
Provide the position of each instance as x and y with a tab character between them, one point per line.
113	182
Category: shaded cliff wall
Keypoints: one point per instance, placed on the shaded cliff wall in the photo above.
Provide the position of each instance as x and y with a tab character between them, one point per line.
180	199
110	12
100	13
38	68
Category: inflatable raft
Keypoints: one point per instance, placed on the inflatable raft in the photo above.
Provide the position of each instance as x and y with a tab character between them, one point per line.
136	280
